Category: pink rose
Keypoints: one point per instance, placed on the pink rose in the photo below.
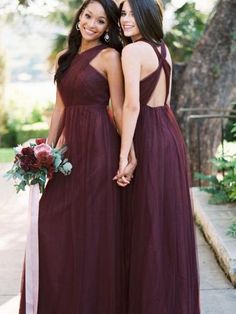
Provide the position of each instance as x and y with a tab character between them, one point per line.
42	149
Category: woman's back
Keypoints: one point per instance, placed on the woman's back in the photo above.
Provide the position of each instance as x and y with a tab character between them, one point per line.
155	73
159	236
160	253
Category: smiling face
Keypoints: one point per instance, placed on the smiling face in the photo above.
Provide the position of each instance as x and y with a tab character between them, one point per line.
93	22
128	23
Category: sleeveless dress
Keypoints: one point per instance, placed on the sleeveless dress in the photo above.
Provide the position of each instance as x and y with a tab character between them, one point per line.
160	251
79	214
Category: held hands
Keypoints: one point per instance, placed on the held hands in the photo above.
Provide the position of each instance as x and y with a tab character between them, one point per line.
125	172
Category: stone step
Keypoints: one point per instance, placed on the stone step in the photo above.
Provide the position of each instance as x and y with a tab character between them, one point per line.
214	221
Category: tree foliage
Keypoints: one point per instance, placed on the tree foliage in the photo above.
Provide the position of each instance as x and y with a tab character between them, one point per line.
208	82
184	35
222	185
64	18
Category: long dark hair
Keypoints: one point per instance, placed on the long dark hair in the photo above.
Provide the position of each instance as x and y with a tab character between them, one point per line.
74	38
149	17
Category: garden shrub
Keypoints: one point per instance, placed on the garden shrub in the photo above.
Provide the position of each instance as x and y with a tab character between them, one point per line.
222	185
31	131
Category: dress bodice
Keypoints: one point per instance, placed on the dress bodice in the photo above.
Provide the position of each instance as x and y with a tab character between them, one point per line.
82	84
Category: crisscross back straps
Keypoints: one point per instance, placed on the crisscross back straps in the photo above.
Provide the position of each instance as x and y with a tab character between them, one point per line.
149	85
162	64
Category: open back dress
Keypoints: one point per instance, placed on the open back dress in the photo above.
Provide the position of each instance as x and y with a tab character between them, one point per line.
159	239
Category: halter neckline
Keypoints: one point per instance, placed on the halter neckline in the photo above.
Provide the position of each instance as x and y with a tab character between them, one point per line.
89	49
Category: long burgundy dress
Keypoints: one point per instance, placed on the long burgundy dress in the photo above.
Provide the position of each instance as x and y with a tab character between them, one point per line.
79	214
161	264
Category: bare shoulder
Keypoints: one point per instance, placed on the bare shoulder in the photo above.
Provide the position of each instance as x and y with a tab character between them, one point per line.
110	55
133	49
136	51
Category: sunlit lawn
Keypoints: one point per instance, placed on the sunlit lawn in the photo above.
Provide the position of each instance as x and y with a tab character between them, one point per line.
6	154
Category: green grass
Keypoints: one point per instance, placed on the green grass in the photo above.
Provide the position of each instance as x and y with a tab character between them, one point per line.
6	154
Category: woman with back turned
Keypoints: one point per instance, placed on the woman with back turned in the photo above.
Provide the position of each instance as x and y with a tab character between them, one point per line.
160	250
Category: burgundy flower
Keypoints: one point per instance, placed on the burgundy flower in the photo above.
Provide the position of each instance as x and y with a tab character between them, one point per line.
27	151
36	162
45	160
40	141
28	162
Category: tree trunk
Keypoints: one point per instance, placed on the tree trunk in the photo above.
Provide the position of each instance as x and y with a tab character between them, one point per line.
178	70
208	81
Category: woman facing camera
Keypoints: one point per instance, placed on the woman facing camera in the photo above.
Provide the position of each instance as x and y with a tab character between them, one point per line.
80	265
160	250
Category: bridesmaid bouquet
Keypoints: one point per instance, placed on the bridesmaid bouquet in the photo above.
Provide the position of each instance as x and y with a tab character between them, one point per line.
36	163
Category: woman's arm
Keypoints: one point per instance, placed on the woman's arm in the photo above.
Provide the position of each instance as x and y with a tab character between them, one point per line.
56	125
116	86
131	68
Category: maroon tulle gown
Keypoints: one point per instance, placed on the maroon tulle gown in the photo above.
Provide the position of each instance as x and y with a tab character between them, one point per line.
79	214
160	252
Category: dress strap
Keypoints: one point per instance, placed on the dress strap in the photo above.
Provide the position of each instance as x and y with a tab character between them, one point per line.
85	57
163	64
149	84
91	52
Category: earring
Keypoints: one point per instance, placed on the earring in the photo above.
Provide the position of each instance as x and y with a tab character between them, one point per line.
107	37
77	26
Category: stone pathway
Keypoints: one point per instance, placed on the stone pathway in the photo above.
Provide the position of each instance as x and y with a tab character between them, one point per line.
215	221
13	220
217	294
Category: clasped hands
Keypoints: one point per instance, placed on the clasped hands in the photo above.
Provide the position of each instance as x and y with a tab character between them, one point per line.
125	172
